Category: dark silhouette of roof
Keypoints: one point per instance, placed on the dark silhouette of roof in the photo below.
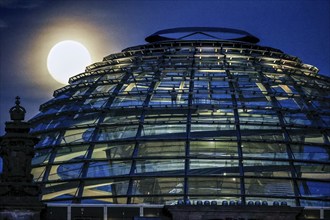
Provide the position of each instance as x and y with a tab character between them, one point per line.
243	36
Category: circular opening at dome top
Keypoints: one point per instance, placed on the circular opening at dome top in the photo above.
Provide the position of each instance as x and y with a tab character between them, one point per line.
202	33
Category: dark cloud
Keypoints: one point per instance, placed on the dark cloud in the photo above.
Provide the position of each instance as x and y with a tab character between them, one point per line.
20	4
3	24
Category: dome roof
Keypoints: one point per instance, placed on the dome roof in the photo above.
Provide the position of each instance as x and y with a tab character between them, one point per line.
186	120
202	33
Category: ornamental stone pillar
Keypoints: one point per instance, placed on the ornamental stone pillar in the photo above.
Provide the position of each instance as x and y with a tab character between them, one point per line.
19	195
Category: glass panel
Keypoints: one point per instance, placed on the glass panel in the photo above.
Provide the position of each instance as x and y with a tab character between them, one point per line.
262	135
213	167
113	119
41	156
150	130
264	150
213	149
228	135
316	138
95	103
128	100
47	139
113	133
297	119
81	91
51	124
160	167
38	173
216	117
257	117
109	188
268	187
65	171
197	127
289	103
310	135
158	186
267	168
78	135
312	170
108	168
310	152
315	203
165	98
314	188
52	110
71	153
215	136
326	120
112	150
168	200
63	190
111	76
213	186
82	119
161	149
69	107
104	89
165	118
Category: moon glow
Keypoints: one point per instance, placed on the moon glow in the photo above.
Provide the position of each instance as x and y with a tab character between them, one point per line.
66	59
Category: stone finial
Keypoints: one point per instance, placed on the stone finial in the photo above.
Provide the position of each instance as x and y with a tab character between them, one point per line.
17	113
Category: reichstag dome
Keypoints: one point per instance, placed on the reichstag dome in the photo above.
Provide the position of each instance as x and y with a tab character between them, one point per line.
195	115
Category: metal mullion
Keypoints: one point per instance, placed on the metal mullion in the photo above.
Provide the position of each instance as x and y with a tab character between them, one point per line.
316	116
287	138
188	129
238	135
117	89
88	157
91	146
310	107
85	166
51	160
152	87
88	92
52	157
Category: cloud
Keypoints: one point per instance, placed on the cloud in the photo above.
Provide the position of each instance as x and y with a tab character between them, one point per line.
3	24
20	4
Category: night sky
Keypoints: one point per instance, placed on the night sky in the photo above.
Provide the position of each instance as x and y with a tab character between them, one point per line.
29	29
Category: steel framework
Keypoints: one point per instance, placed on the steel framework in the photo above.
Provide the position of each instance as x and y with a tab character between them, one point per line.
188	119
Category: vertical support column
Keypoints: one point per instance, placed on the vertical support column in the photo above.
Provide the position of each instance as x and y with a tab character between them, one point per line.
152	87
188	128
141	211
105	212
59	138
233	90
51	159
315	117
68	216
276	105
321	213
90	149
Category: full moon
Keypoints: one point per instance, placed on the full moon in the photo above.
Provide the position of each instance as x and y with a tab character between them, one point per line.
66	59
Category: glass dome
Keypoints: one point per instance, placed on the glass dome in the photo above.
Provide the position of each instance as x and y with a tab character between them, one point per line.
188	119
